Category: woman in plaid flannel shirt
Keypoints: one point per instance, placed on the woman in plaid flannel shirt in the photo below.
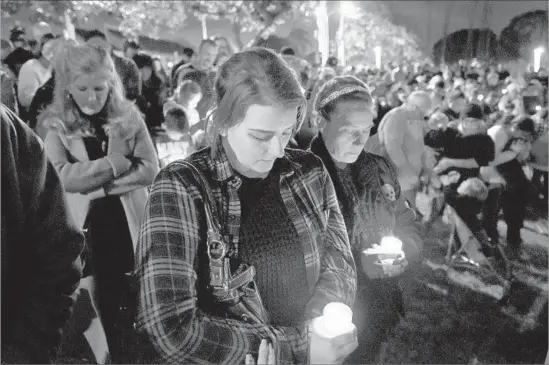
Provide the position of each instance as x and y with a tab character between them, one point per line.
253	179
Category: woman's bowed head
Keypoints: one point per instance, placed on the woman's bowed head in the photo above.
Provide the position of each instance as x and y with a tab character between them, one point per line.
257	112
345	116
87	84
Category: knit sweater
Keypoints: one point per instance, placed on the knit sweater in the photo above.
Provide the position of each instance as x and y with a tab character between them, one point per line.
269	241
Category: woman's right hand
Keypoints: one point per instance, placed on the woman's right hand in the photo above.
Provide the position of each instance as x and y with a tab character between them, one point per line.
334	350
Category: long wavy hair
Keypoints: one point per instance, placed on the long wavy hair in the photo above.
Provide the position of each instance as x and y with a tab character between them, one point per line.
73	61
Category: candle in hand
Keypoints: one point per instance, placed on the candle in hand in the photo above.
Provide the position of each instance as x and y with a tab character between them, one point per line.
390	249
391	244
336	320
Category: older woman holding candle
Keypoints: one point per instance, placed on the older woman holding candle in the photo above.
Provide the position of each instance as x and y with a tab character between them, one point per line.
380	226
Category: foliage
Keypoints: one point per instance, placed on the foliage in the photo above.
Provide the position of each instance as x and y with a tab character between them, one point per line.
154	17
368	29
466	44
261	17
524	33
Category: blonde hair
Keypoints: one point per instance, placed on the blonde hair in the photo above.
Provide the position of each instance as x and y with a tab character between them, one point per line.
71	62
254	76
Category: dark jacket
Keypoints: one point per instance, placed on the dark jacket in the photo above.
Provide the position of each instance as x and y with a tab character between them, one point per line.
369	173
41	245
129	75
369	215
41	100
8	94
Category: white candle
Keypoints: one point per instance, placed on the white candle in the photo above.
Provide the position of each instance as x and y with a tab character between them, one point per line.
537	58
377	51
391	245
336	320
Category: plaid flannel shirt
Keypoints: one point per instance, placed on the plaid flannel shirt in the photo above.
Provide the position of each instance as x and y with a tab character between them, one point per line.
174	226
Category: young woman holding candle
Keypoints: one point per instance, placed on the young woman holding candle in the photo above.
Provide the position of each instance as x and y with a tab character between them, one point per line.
375	213
278	212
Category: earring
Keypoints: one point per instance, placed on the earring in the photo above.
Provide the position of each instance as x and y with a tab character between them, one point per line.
223	133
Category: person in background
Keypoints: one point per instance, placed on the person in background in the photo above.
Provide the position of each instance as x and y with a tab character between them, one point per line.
160	72
287	51
131	48
540	162
17	37
369	196
468	142
187	95
456	104
223	45
175	143
7	78
41	245
16	59
35	72
203	62
400	135
512	99
519	191
34	47
187	56
151	100
222	57
99	144
280	215
125	66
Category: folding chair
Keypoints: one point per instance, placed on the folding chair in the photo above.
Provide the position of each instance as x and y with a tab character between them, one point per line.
469	257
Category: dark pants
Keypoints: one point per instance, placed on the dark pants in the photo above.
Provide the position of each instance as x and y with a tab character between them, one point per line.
468	209
513	199
539	179
112	254
378	309
490	213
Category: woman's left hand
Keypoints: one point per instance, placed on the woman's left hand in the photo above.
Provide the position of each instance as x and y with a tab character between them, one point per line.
396	268
265	356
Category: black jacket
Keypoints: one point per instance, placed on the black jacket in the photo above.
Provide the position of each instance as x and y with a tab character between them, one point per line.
41	245
41	100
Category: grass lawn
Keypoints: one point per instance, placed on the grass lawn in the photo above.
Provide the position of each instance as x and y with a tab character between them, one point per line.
448	324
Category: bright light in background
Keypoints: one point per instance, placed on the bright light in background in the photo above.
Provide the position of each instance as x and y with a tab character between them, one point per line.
537	58
323	35
377	51
347	8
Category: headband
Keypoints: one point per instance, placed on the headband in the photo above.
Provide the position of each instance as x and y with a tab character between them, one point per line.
341	92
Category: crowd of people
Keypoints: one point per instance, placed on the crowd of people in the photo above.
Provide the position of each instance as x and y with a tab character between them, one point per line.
240	190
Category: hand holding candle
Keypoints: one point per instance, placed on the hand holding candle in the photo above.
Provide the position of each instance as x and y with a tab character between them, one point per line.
384	260
333	335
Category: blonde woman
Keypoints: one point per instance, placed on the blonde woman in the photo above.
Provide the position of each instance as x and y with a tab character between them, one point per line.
99	145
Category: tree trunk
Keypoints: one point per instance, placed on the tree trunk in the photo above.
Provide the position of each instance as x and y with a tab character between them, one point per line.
445	31
470	46
236	30
261	32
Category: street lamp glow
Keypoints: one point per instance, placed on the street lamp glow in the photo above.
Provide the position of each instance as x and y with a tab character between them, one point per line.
537	58
323	31
347	8
377	51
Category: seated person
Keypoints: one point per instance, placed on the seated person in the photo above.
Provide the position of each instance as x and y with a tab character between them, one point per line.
174	141
468	141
